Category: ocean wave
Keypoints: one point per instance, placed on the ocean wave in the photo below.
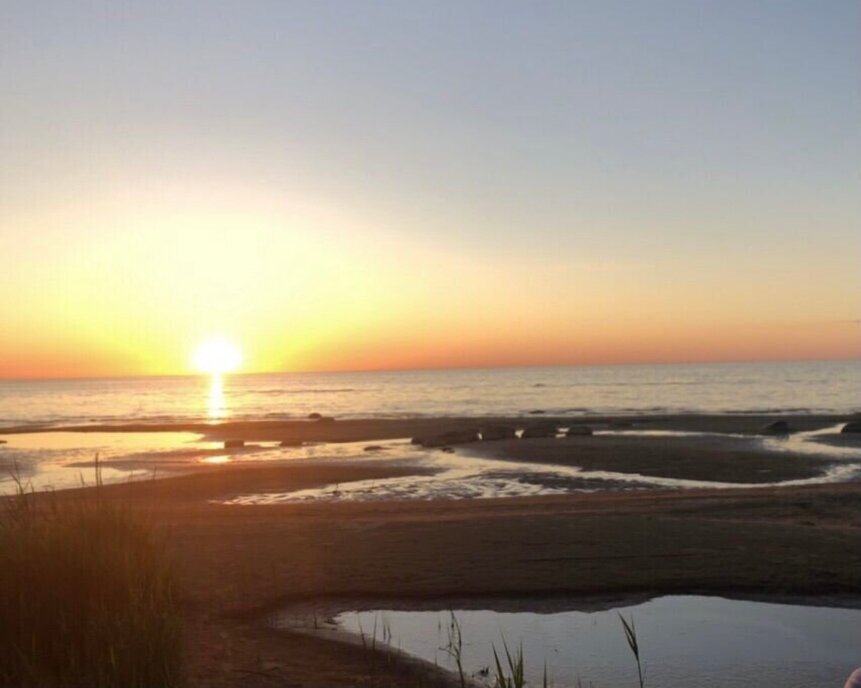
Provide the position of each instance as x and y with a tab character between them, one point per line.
628	383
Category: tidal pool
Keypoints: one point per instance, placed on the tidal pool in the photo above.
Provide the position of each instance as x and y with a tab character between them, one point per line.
685	641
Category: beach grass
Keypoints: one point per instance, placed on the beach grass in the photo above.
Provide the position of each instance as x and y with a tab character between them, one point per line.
512	675
633	645
86	595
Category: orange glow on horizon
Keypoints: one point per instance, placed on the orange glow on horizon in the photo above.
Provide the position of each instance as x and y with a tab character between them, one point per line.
426	345
315	290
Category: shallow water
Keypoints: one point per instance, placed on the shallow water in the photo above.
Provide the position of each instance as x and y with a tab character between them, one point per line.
56	460
685	641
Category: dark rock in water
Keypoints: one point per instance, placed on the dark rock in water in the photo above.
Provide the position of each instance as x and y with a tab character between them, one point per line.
536	430
578	431
314	416
233	444
537	412
374	448
447	450
451	437
417	440
778	427
852	427
290	443
498	432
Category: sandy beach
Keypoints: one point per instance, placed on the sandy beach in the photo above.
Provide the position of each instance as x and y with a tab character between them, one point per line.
238	565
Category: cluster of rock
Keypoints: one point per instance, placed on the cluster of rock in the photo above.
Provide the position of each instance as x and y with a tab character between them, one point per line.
491	433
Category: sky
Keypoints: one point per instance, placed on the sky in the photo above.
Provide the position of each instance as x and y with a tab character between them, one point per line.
386	185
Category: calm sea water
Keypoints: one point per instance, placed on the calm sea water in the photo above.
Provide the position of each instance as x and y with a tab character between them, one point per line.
828	386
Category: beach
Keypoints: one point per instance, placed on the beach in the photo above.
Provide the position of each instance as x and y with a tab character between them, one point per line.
240	564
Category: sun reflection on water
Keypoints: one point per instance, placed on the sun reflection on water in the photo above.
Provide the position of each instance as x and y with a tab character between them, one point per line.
216	403
219	459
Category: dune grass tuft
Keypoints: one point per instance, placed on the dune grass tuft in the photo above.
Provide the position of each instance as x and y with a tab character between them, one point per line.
86	597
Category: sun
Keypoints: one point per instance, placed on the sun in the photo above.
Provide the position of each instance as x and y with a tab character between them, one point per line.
216	356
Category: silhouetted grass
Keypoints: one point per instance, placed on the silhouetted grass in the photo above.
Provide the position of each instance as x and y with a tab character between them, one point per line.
512	676
633	645
86	598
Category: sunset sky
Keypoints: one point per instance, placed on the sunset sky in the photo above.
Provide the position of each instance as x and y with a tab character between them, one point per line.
366	185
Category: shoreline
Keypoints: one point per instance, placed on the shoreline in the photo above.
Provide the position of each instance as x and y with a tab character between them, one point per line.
298	613
359	429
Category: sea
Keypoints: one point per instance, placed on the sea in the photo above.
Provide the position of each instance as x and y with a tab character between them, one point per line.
748	388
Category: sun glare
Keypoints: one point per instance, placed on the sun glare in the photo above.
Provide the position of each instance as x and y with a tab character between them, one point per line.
217	356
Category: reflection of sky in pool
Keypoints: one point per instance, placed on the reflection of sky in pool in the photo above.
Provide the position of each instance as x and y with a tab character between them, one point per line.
685	641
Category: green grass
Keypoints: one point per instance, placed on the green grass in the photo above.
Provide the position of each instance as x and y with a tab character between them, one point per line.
86	596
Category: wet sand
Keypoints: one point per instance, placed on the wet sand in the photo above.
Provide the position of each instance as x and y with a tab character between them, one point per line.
237	565
711	458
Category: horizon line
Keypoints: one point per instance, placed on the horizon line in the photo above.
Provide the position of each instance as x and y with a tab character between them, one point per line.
73	378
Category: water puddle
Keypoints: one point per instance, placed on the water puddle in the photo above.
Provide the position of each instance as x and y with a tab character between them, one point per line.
685	641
